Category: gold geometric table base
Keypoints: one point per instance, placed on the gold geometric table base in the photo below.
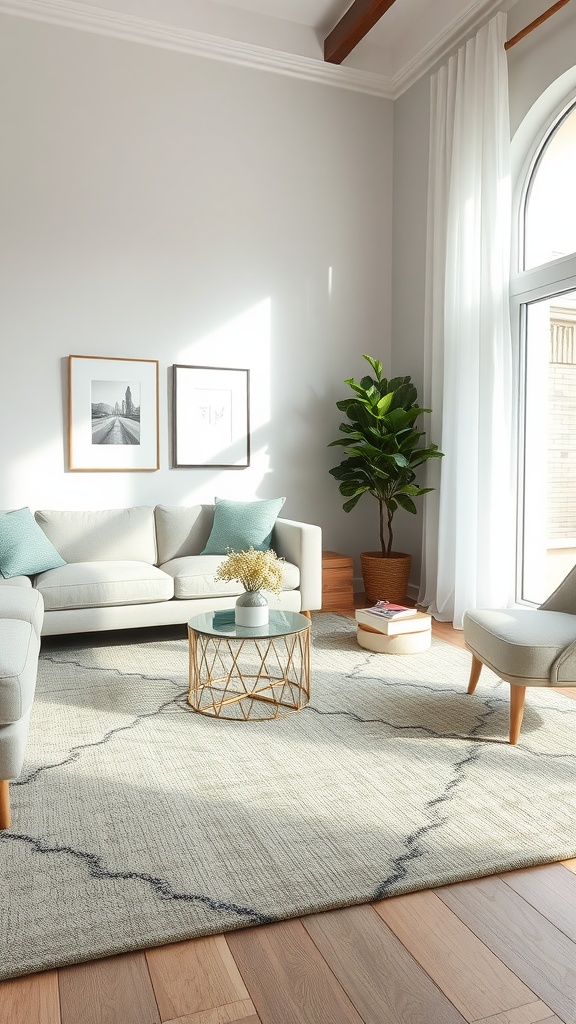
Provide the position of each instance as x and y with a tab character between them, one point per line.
249	679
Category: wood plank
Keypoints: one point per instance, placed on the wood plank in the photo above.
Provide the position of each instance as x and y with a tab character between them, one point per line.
30	1000
231	1014
538	952
333	559
337	581
532	1013
107	991
472	977
200	974
352	27
551	890
382	980
446	632
288	980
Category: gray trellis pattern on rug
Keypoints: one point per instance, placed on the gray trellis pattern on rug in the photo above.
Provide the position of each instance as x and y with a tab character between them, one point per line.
138	822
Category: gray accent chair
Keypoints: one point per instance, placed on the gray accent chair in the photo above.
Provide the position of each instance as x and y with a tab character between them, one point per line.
21	614
526	646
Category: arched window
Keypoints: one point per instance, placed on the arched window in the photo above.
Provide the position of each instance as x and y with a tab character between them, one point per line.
544	311
550	207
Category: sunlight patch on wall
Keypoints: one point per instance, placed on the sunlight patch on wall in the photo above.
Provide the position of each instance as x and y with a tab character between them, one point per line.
243	342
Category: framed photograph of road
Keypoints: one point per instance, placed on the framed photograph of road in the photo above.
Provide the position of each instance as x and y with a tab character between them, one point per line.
113	414
211	417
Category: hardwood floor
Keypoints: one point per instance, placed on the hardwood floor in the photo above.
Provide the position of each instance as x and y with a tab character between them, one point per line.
498	950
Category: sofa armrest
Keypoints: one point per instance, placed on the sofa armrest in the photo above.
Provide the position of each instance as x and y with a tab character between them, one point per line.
563	671
22	603
301	543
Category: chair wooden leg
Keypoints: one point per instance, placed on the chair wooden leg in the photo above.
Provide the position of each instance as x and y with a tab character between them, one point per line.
4	804
517	695
307	614
475	671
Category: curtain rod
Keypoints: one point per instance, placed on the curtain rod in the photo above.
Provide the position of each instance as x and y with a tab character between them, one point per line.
534	24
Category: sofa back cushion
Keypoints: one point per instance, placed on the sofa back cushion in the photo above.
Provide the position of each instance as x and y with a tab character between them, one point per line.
182	531
116	534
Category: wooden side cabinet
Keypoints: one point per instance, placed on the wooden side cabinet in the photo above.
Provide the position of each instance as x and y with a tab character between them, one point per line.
337	581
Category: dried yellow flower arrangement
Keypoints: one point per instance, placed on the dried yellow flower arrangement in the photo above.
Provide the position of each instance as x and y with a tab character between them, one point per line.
255	570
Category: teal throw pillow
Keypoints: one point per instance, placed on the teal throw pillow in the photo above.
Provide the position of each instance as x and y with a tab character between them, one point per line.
24	547
242	524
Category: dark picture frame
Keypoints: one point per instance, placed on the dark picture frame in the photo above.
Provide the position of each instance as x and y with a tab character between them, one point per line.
211	417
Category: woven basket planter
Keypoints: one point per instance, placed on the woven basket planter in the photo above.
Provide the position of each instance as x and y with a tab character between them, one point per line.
386	579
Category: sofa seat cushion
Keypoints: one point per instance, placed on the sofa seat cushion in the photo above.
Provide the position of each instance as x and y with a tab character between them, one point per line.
17	581
194	577
101	584
19	647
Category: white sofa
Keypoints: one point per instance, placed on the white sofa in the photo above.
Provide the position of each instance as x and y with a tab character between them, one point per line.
20	624
142	567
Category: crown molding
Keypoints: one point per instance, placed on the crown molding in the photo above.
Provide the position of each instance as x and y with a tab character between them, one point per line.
445	42
88	18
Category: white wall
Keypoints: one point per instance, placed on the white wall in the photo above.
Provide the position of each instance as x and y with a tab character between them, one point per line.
534	63
162	206
411	134
541	57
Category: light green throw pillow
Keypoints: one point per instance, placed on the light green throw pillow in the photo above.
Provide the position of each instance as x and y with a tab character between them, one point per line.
24	547
242	524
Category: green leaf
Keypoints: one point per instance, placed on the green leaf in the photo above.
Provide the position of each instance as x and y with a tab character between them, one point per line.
385	403
349	505
375	364
351	488
406	503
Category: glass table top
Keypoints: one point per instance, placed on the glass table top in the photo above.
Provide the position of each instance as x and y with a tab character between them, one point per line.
221	623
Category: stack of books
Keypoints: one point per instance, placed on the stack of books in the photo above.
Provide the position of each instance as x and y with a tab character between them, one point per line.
393	628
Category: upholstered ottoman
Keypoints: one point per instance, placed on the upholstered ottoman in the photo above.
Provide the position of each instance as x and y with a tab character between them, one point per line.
21	614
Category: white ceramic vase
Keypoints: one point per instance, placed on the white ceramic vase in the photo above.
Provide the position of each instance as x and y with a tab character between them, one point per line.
251	609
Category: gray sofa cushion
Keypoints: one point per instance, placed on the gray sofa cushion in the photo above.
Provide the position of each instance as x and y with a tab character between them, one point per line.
181	530
194	577
108	535
99	584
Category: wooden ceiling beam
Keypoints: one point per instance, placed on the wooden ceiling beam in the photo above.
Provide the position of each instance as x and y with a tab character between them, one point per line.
352	27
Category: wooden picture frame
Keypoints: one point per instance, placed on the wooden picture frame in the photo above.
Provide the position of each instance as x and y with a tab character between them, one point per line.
211	418
113	414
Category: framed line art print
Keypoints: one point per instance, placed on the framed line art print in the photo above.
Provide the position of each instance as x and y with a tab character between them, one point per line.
211	417
113	414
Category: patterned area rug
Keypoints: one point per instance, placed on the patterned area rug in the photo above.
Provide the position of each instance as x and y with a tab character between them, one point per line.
137	822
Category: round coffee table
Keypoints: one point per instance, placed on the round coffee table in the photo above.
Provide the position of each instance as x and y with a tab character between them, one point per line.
249	673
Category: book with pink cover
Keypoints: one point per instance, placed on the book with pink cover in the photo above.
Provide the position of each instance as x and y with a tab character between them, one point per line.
391	611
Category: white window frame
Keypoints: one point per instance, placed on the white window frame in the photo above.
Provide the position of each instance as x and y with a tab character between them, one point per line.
550	280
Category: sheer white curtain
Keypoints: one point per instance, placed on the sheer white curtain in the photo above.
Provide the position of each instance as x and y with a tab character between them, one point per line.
469	531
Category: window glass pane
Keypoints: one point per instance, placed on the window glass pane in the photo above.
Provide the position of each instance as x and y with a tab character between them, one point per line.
550	219
549	505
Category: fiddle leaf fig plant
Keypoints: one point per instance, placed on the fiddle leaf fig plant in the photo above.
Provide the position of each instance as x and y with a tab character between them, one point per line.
383	447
